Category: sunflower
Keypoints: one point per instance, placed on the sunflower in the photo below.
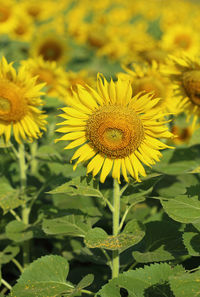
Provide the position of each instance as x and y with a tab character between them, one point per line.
50	46
48	72
19	102
184	73
7	16
23	29
148	78
115	131
181	38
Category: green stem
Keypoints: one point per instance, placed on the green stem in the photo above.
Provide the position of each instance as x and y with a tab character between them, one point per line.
25	208
87	292
18	265
34	162
116	217
15	215
7	285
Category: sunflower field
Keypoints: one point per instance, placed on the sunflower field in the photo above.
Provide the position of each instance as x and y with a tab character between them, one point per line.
99	148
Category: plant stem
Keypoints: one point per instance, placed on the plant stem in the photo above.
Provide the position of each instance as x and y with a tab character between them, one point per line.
7	285
18	265
25	208
34	162
116	216
87	292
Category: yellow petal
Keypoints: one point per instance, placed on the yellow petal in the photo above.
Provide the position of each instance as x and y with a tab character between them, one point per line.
107	166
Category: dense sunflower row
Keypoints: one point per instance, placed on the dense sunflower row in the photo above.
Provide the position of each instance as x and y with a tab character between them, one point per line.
115	125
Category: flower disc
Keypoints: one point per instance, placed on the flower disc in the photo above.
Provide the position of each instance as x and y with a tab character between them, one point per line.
191	82
114	131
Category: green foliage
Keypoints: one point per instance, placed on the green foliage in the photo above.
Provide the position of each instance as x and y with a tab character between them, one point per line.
132	234
148	281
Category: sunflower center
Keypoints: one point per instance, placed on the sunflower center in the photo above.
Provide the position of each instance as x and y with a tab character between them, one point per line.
50	51
115	131
191	83
45	76
183	41
13	105
4	14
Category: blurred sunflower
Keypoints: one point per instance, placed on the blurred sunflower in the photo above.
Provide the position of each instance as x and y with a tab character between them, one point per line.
46	71
7	15
185	77
148	78
50	46
115	131
19	102
23	29
182	134
181	38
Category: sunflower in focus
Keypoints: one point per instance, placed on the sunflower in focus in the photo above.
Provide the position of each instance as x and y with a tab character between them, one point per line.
50	46
113	130
47	72
19	104
148	78
185	77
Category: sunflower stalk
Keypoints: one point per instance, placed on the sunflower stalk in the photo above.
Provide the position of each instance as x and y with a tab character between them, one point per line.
25	208
116	217
34	162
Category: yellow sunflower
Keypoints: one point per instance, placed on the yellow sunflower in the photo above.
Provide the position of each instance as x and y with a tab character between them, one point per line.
115	131
50	46
48	72
23	29
148	78
181	38
7	16
19	102
185	77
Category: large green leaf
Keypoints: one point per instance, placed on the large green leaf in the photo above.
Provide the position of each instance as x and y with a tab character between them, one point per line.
47	277
44	277
149	281
186	285
71	225
162	241
132	234
183	209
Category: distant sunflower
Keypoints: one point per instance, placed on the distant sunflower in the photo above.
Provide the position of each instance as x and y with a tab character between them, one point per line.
114	130
47	72
185	77
7	16
19	102
148	78
50	46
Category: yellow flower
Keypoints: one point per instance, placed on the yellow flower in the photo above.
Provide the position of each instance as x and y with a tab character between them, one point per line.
182	134
46	71
148	78
7	16
19	102
181	38
185	77
115	131
50	46
23	29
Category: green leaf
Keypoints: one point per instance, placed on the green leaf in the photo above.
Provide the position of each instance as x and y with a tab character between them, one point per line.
18	232
8	254
132	234
148	281
9	197
192	243
183	209
74	188
71	225
85	282
186	285
162	241
44	277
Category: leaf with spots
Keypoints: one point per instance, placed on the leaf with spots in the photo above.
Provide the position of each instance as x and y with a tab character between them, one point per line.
186	284
148	281
8	254
132	234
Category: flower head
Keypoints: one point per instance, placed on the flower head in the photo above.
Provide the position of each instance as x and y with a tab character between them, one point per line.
19	102
185	77
115	131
